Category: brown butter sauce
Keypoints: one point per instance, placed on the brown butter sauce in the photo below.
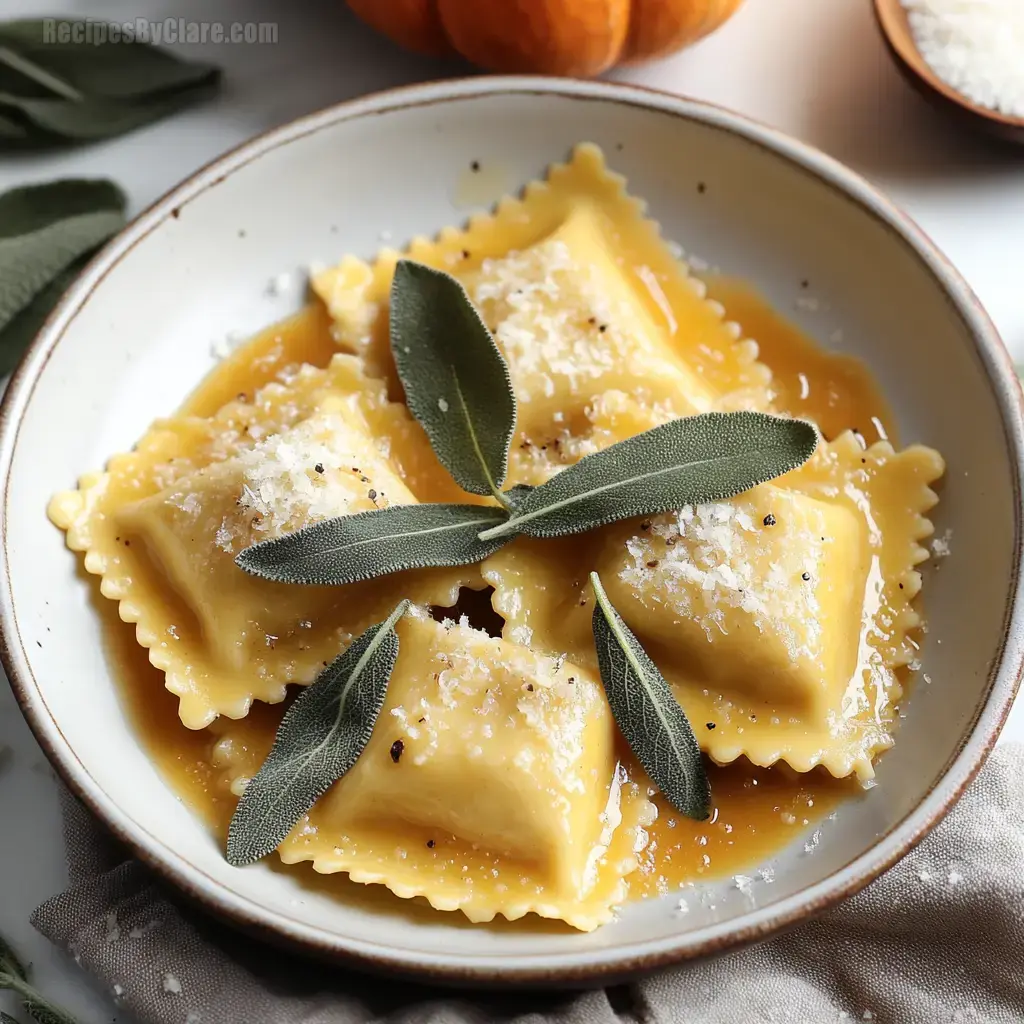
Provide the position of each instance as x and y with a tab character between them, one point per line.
756	811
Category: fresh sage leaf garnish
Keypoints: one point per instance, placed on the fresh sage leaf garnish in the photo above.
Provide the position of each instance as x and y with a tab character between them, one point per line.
689	461
376	543
319	739
89	86
14	978
648	715
456	382
515	496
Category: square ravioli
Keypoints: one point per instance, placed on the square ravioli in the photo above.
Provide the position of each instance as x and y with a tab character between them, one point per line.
491	785
756	593
767	665
587	304
162	525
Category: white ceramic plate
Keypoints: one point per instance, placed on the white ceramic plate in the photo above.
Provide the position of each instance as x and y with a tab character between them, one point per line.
134	336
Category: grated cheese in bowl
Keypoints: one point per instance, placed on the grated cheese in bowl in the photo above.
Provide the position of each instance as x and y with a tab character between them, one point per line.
975	46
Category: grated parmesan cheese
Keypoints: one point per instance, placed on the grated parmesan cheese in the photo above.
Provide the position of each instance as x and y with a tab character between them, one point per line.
527	298
224	346
941	546
708	563
975	46
560	323
281	284
745	884
321	468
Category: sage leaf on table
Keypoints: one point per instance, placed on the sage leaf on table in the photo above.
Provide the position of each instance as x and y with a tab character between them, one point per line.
44	1012
9	962
94	84
319	739
648	715
376	543
689	461
456	382
20	331
14	978
47	234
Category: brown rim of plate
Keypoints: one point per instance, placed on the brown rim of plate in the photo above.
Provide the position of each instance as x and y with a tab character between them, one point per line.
894	25
962	765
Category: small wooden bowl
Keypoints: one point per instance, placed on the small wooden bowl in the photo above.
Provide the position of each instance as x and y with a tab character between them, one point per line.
895	26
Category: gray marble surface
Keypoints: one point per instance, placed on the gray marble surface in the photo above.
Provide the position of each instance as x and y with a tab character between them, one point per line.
816	70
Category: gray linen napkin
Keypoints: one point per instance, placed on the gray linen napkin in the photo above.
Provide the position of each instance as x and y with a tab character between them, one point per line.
938	938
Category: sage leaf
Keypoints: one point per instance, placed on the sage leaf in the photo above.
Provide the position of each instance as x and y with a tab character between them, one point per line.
647	712
688	461
14	978
42	1011
319	739
92	119
515	496
457	384
94	84
9	962
24	68
44	229
376	543
22	329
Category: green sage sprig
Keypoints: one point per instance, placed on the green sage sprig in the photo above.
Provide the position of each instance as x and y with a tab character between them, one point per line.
67	80
458	386
14	978
377	543
688	461
648	715
319	739
47	233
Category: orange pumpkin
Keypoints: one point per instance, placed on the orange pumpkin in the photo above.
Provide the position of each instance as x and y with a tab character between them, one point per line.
580	38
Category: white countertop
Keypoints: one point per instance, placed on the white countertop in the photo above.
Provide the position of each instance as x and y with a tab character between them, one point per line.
817	70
